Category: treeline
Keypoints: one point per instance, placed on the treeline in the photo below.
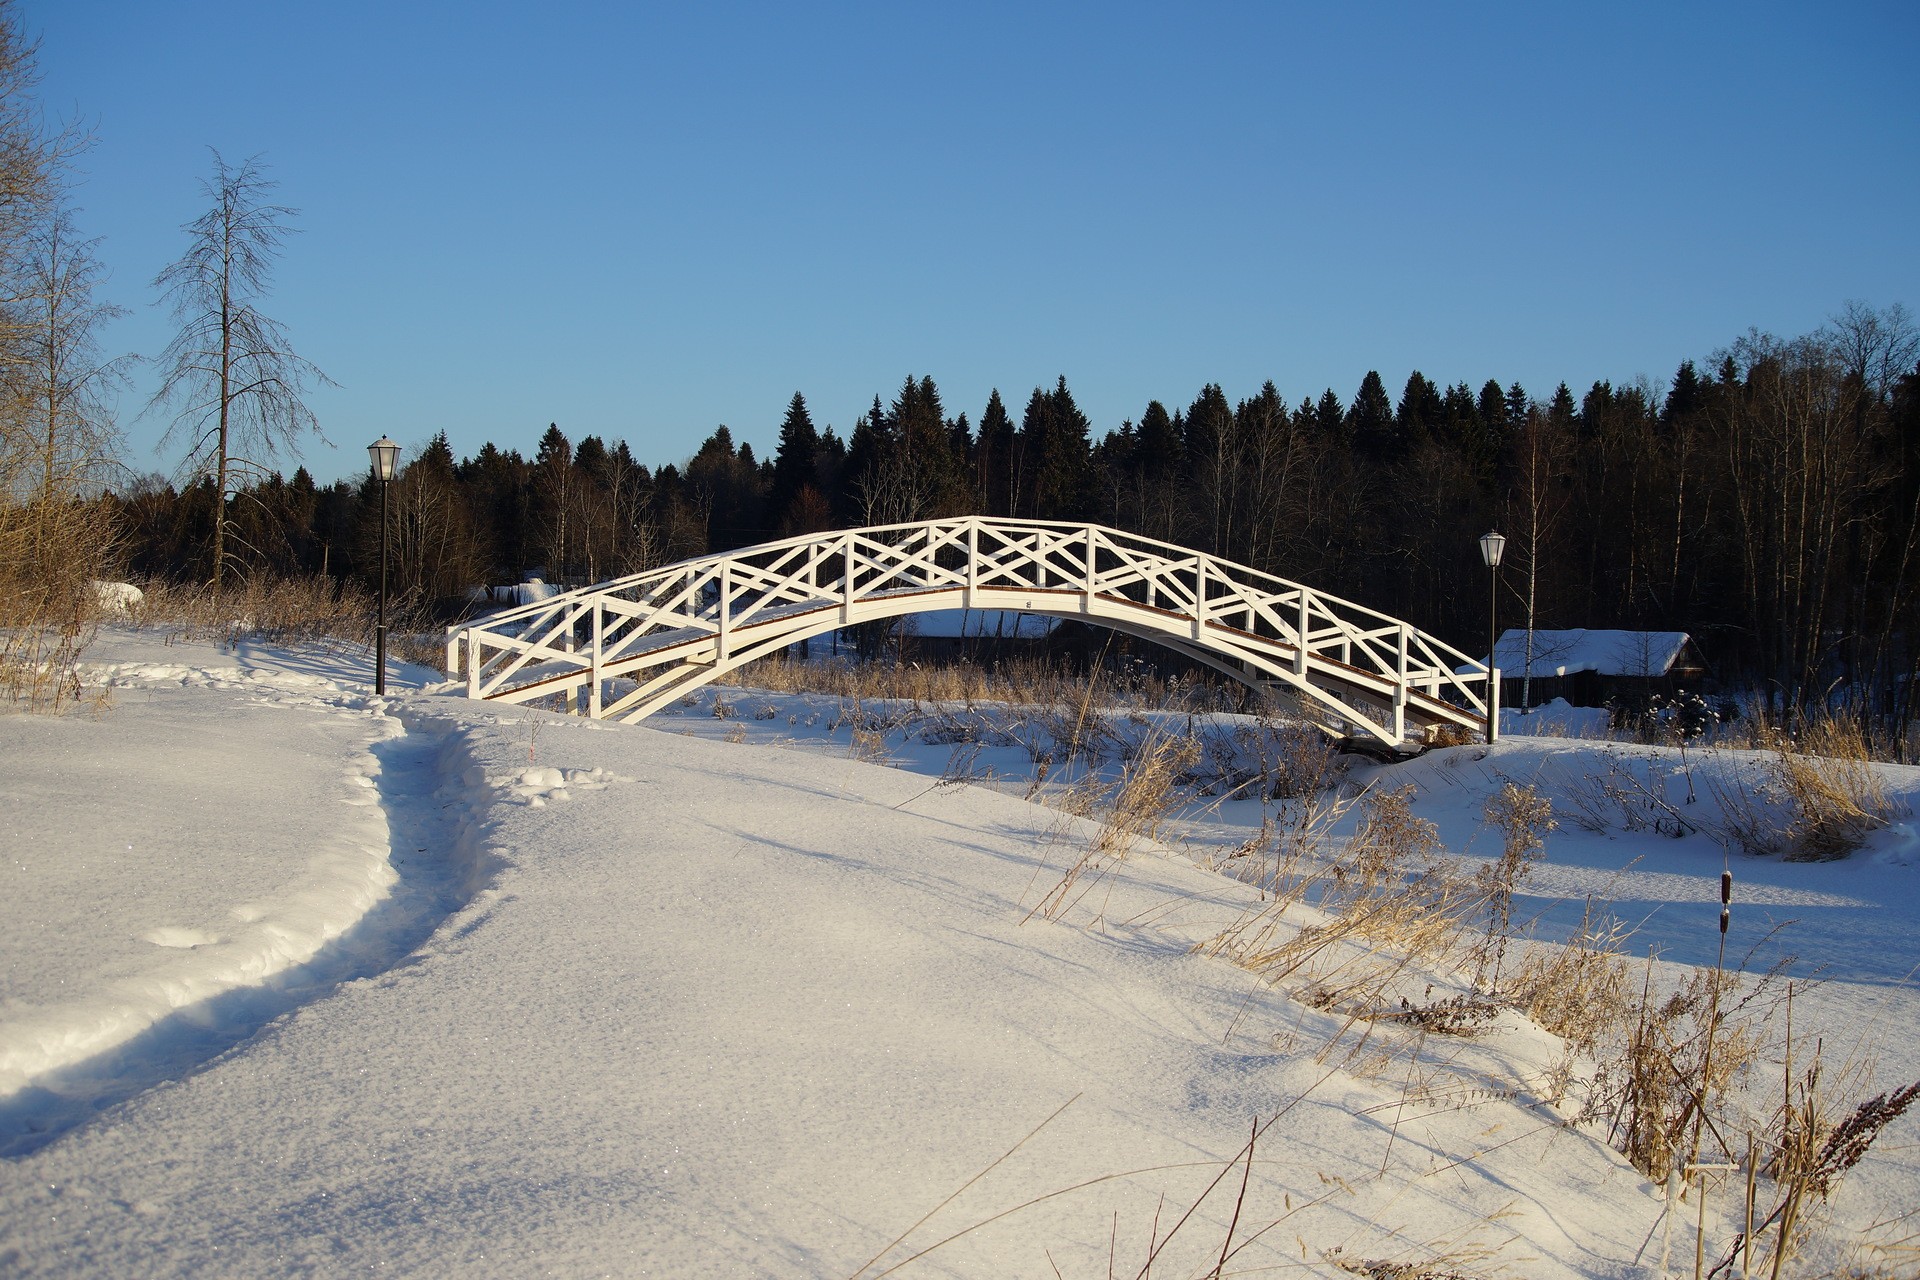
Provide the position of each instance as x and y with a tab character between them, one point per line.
1768	503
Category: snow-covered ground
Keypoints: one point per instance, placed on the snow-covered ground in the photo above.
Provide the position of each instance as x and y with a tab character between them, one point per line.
301	981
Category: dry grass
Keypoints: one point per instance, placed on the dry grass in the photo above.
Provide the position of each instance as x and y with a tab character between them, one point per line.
1626	797
1811	1140
1023	682
51	554
1523	817
1818	799
1147	788
266	606
1581	991
1390	901
1131	808
1672	1072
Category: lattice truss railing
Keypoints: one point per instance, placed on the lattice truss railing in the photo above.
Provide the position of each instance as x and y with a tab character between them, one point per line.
625	648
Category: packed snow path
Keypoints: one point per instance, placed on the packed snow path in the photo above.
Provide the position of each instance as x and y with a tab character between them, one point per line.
228	858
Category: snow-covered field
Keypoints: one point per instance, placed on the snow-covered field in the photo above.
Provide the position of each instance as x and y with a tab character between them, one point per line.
301	981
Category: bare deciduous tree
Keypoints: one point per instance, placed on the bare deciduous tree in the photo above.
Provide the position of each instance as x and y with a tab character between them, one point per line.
56	431
237	389
1538	502
60	380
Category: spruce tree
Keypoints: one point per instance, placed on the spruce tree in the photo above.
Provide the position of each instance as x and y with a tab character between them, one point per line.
1370	419
1419	416
795	461
1329	416
994	458
1518	403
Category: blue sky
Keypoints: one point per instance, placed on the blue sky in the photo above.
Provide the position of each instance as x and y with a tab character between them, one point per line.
646	220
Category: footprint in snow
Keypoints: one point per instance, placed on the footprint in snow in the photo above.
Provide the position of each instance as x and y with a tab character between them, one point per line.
179	936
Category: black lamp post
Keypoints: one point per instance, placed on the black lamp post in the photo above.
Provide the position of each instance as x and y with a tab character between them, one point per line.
1492	545
384	453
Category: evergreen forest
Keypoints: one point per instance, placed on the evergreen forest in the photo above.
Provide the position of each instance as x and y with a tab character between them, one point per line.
1766	500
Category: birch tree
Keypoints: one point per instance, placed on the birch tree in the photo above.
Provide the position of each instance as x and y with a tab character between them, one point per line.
1538	502
236	388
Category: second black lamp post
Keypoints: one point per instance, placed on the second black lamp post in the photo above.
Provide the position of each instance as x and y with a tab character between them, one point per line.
1492	546
384	454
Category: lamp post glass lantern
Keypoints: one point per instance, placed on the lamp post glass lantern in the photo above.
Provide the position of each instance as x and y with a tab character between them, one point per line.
1492	546
383	453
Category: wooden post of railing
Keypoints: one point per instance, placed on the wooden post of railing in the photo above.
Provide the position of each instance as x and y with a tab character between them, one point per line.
1300	653
473	662
1086	600
453	654
846	588
1400	690
567	620
726	590
599	643
1493	703
1199	597
973	558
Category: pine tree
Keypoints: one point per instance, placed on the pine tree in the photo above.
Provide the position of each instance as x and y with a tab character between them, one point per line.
1370	419
1420	414
554	498
994	461
796	461
1057	453
1686	396
1330	417
1518	403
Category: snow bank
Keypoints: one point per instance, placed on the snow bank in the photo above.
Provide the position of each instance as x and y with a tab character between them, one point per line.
1557	719
181	887
118	599
718	1009
699	1007
176	892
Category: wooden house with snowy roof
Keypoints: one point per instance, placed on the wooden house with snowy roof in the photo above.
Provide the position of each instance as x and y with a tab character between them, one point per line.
1594	668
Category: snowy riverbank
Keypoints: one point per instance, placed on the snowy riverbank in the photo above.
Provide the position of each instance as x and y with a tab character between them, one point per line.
570	998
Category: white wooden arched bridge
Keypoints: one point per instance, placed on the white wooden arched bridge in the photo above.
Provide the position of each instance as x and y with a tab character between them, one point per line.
624	649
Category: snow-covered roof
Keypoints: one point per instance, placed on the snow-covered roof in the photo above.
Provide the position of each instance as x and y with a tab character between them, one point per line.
1003	624
515	593
1607	653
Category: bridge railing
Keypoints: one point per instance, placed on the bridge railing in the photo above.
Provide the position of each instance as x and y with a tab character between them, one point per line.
706	609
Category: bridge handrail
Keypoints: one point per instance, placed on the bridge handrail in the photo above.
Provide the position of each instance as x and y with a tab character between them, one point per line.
1245	622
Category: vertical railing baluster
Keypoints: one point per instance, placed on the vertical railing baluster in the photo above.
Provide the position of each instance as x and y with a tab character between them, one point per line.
1300	650
1199	597
567	619
973	558
1400	690
846	588
1091	556
599	643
